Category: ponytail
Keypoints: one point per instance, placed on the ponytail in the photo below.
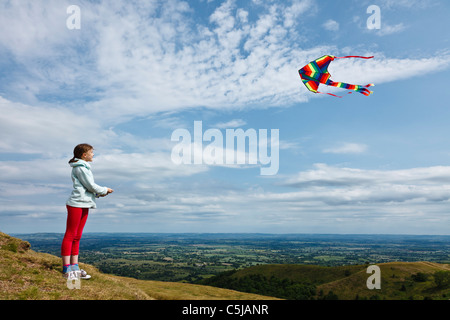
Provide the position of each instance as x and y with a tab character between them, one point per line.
72	160
79	150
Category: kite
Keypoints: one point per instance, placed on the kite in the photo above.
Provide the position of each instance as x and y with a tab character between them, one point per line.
316	72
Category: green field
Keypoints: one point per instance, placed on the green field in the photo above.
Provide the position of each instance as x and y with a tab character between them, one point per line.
193	257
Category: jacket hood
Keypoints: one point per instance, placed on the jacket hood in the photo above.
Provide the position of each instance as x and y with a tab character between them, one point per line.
80	163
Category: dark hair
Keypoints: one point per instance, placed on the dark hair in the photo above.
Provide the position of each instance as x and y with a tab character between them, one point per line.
79	150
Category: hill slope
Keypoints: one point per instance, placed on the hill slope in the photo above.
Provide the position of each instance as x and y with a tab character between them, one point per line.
399	281
26	274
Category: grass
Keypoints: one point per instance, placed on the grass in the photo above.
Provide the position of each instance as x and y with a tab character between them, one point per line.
302	273
183	291
396	283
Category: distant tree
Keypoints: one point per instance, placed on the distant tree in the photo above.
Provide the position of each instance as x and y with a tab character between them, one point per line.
442	279
257	283
420	277
331	296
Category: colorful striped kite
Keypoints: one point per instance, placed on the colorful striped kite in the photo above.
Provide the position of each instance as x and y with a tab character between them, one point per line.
316	72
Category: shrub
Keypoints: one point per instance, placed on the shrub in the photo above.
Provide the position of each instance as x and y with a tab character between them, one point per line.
442	279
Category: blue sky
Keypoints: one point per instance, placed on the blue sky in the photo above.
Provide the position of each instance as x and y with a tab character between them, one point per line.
136	71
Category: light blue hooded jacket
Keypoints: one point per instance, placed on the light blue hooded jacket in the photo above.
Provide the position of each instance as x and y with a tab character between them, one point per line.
84	188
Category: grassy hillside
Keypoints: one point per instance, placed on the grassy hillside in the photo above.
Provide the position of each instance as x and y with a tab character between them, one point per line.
302	273
29	275
399	281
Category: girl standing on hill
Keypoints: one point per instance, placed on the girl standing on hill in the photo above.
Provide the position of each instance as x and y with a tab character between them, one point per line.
83	196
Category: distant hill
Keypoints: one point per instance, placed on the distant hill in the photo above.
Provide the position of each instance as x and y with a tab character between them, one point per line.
399	281
29	275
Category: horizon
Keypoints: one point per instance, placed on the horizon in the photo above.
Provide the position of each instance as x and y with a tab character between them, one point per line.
241	233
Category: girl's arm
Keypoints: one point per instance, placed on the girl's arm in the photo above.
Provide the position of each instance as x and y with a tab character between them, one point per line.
88	182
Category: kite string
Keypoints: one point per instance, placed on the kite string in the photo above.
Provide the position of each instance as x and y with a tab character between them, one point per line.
329	94
354	57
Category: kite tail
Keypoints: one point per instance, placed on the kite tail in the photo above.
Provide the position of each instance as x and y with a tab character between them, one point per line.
357	88
354	87
365	91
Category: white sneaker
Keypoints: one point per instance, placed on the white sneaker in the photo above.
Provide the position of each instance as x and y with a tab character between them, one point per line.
84	275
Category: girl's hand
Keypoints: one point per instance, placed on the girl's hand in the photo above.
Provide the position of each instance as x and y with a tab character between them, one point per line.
108	192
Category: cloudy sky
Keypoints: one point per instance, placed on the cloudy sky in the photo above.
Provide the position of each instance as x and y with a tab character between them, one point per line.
125	75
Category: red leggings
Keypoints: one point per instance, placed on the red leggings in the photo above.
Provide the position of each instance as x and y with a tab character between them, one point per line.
76	219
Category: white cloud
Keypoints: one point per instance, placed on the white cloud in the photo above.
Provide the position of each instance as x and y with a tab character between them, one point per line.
134	65
150	166
346	185
386	29
28	189
325	199
331	25
235	123
326	194
347	147
33	28
38	171
113	167
46	130
328	199
410	4
292	13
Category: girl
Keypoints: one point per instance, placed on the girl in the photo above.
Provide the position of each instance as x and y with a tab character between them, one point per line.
82	198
